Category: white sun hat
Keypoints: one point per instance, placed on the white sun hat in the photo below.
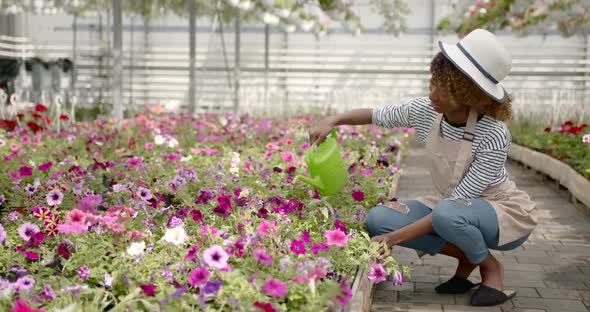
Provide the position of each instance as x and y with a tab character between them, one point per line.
482	58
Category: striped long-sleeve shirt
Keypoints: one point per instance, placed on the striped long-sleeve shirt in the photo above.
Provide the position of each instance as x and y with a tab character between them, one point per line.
489	150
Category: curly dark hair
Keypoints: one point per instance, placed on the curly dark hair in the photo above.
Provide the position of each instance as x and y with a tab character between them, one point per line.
464	91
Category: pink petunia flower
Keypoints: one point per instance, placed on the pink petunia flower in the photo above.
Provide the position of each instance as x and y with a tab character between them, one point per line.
298	247
76	216
275	288
287	157
46	166
25	171
346	294
149	289
378	273
22	306
266	307
336	237
315	248
192	253
69	228
216	256
198	277
263	257
398	278
2	234
305	237
267	228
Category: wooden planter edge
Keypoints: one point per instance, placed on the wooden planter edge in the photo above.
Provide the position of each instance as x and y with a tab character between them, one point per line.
563	174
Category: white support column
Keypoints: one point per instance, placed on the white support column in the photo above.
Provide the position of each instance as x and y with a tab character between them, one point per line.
117	92
193	48
237	62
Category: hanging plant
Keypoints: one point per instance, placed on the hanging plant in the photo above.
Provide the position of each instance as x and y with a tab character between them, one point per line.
569	17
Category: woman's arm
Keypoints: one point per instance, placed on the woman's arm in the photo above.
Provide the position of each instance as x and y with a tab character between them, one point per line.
361	116
406	233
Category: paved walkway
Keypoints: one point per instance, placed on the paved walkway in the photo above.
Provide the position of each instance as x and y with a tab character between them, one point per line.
551	271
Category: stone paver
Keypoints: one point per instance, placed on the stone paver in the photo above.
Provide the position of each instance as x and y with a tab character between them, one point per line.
551	271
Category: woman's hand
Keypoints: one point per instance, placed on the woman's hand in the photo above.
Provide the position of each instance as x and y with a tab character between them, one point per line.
319	132
389	241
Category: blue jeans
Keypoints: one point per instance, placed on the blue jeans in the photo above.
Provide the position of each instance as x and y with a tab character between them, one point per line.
472	228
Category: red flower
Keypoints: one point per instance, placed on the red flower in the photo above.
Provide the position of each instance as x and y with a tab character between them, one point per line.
40	108
266	307
64	251
358	195
7	124
36	115
64	117
547	130
149	289
48	120
34	127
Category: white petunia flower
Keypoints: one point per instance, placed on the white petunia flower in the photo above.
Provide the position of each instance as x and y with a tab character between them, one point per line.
176	235
136	249
159	140
172	143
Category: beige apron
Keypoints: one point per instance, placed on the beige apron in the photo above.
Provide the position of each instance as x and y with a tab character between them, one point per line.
449	162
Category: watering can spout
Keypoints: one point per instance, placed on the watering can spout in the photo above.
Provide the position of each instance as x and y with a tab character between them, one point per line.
315	182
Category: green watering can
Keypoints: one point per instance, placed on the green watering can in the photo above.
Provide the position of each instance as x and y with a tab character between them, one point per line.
326	167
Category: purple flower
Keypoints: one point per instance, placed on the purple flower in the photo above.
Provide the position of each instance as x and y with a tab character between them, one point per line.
263	257
84	273
75	290
298	247
89	203
398	278
174	221
212	287
204	197
27	230
47	293
19	272
198	277
24	283
216	257
275	288
315	248
54	197
2	199
346	294
108	280
46	166
2	234
192	252
13	216
144	193
377	273
25	171
340	225
30	189
305	237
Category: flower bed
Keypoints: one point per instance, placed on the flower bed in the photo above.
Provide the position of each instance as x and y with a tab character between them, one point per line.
567	143
179	213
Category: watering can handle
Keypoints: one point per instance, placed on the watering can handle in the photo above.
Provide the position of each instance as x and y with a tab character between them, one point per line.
334	134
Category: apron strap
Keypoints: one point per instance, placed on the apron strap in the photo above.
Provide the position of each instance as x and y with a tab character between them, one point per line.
465	147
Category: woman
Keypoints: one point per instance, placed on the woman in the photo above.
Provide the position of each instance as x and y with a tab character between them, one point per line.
476	207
